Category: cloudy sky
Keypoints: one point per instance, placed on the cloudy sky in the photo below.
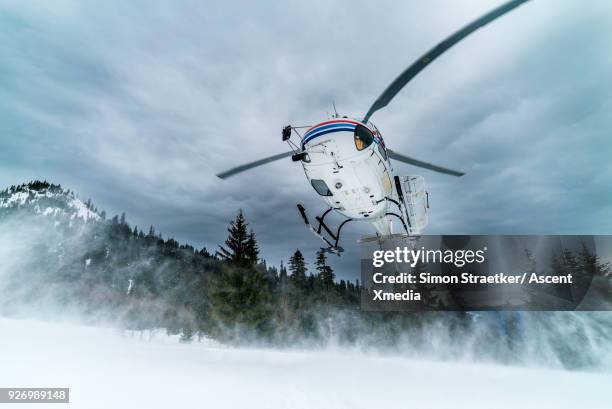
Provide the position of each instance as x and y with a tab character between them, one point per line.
138	104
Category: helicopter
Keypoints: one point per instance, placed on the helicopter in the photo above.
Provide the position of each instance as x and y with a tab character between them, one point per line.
349	165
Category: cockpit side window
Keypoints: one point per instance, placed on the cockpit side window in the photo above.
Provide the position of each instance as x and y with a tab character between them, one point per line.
382	151
321	187
378	134
363	137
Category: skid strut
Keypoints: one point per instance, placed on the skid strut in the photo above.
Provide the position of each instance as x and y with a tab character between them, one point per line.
322	227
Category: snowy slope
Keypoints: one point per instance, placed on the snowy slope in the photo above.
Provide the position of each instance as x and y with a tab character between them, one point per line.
47	201
107	369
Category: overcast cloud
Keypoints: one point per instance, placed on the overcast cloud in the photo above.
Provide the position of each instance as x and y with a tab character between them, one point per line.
138	104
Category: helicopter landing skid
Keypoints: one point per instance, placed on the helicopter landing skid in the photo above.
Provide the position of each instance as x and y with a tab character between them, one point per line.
392	240
323	230
380	239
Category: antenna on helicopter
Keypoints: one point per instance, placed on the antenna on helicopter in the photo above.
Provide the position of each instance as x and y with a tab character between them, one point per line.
335	111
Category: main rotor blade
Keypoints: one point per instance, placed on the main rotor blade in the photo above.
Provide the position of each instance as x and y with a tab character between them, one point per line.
420	164
416	67
247	166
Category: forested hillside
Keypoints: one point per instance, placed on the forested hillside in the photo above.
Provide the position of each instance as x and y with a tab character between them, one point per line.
106	267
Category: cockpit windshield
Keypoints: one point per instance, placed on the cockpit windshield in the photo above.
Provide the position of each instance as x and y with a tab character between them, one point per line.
363	137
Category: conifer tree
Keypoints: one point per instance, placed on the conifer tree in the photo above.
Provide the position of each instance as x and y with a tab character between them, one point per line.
297	267
588	261
240	246
240	293
326	273
282	275
283	294
569	262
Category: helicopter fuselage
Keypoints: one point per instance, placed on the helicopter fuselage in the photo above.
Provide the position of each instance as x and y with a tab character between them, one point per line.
348	166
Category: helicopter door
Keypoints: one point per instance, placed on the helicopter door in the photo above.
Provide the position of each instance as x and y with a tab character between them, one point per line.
416	202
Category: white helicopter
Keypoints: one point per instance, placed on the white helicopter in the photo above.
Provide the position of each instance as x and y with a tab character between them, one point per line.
349	165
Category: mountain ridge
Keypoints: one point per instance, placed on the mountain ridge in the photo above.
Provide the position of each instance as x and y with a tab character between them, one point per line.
47	199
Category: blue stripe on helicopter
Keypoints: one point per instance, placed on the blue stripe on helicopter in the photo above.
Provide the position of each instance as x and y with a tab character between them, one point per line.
336	126
327	126
305	141
326	131
319	129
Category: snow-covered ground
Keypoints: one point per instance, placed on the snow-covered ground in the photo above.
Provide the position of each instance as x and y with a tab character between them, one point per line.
105	368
